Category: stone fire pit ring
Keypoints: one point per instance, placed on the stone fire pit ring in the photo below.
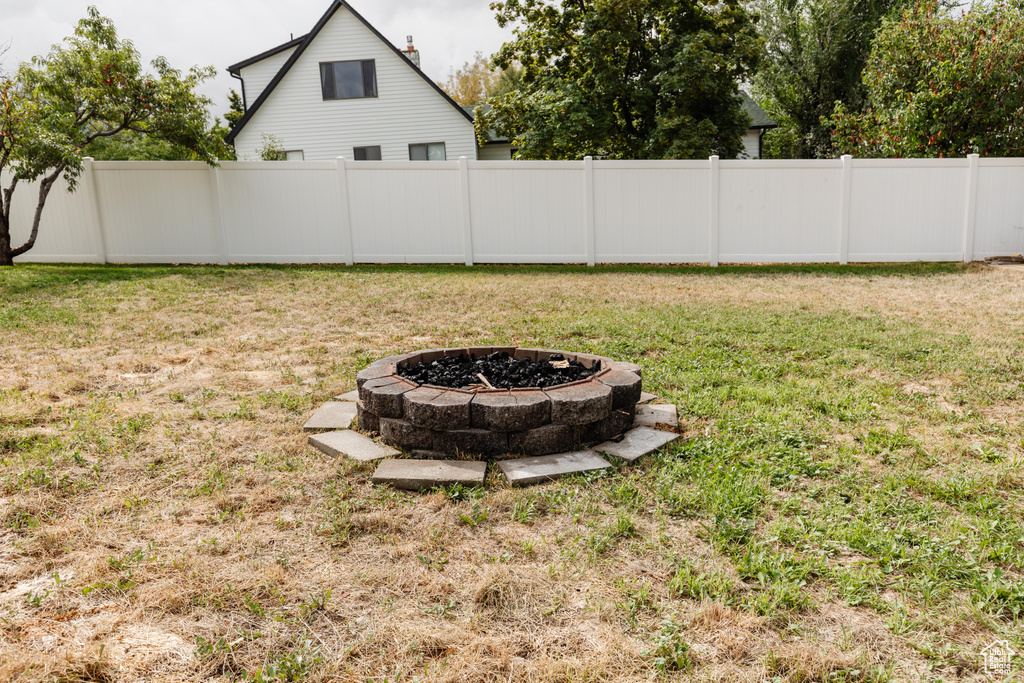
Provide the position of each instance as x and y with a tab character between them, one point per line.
495	422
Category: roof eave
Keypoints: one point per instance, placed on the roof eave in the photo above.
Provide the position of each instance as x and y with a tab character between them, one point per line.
234	68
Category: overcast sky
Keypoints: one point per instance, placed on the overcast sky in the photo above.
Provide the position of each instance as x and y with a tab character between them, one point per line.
222	32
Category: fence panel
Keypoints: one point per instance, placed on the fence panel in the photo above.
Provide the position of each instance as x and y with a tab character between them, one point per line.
651	211
405	212
527	211
779	211
66	233
908	209
272	213
157	212
1000	212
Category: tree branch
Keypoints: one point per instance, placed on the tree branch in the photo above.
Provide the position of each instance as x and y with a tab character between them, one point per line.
7	193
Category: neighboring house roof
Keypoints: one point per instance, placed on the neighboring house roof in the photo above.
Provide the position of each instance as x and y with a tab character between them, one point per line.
303	42
758	117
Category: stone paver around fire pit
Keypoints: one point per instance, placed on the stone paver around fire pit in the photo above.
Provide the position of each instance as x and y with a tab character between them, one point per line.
351	444
555	427
525	471
417	475
657	413
332	415
636	443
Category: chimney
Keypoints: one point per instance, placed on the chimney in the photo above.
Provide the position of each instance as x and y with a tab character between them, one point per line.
412	53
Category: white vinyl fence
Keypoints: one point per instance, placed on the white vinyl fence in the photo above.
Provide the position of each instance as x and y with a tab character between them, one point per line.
843	210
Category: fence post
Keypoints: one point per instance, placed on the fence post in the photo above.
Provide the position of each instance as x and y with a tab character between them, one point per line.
713	214
344	213
465	214
970	210
844	210
218	213
93	201
588	209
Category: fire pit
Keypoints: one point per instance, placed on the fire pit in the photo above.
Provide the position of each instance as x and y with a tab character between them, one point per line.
494	401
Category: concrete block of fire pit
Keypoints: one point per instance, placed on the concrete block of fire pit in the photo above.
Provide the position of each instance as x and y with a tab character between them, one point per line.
579	403
656	413
401	358
525	471
646	397
637	443
625	386
475	441
401	433
332	415
510	411
374	372
348	396
416	475
351	444
621	420
437	408
617	422
546	439
366	420
630	367
383	397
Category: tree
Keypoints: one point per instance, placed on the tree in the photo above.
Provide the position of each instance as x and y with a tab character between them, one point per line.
941	84
236	110
509	79
472	84
91	87
623	79
815	51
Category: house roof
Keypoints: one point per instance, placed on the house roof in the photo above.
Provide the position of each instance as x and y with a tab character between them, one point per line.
758	117
234	68
302	43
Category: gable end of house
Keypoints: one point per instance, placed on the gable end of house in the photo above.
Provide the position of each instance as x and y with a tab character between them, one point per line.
300	45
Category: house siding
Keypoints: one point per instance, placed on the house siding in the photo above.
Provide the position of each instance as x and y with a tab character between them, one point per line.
495	152
406	111
750	144
256	77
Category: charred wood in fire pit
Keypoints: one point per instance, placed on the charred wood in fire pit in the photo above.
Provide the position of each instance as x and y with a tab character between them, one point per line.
499	369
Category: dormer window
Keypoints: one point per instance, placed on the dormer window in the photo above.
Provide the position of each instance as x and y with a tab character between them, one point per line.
348	80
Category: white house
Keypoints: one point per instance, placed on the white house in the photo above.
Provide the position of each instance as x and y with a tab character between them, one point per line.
344	90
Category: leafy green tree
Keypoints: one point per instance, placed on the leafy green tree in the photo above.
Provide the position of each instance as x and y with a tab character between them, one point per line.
941	83
130	145
91	87
236	110
508	80
624	79
815	51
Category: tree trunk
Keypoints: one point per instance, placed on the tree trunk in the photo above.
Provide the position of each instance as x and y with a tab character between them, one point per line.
5	244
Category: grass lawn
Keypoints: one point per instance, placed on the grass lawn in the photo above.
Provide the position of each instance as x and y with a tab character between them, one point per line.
846	505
